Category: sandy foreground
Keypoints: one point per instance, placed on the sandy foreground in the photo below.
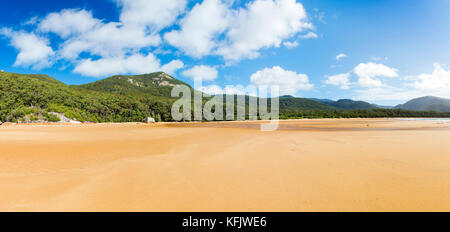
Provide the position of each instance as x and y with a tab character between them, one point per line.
306	165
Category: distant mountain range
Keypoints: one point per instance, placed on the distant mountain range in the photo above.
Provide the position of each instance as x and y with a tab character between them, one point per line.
428	103
347	104
125	98
324	104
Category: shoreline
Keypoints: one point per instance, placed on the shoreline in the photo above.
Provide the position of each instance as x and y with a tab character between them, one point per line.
235	121
311	125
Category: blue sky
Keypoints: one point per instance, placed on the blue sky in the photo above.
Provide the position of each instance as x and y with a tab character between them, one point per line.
384	52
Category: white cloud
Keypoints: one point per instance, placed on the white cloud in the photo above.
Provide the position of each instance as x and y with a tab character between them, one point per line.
369	82
439	79
340	56
342	80
386	94
109	40
118	44
122	42
84	33
68	22
309	35
203	72
155	14
290	45
140	22
134	64
172	66
396	95
435	84
34	51
289	82
374	70
264	24
367	73
199	28
213	28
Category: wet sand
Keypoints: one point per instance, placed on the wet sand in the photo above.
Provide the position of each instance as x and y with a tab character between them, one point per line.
306	165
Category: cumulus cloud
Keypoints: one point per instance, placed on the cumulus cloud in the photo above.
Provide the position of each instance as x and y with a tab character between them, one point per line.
199	28
155	14
116	46
386	94
213	28
436	83
289	82
340	56
369	82
263	24
395	95
34	51
342	80
119	42
68	22
134	64
438	79
103	39
367	73
202	72
172	66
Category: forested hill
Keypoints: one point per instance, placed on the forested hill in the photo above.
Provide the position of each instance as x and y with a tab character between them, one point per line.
347	104
427	104
288	103
26	98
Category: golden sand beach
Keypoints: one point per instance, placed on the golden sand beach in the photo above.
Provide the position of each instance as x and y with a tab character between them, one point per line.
306	165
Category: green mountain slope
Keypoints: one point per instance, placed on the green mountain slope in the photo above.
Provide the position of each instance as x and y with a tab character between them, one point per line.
347	104
428	103
25	98
294	104
155	84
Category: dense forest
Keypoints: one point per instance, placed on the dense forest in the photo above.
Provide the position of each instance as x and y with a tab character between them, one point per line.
37	98
25	98
372	113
